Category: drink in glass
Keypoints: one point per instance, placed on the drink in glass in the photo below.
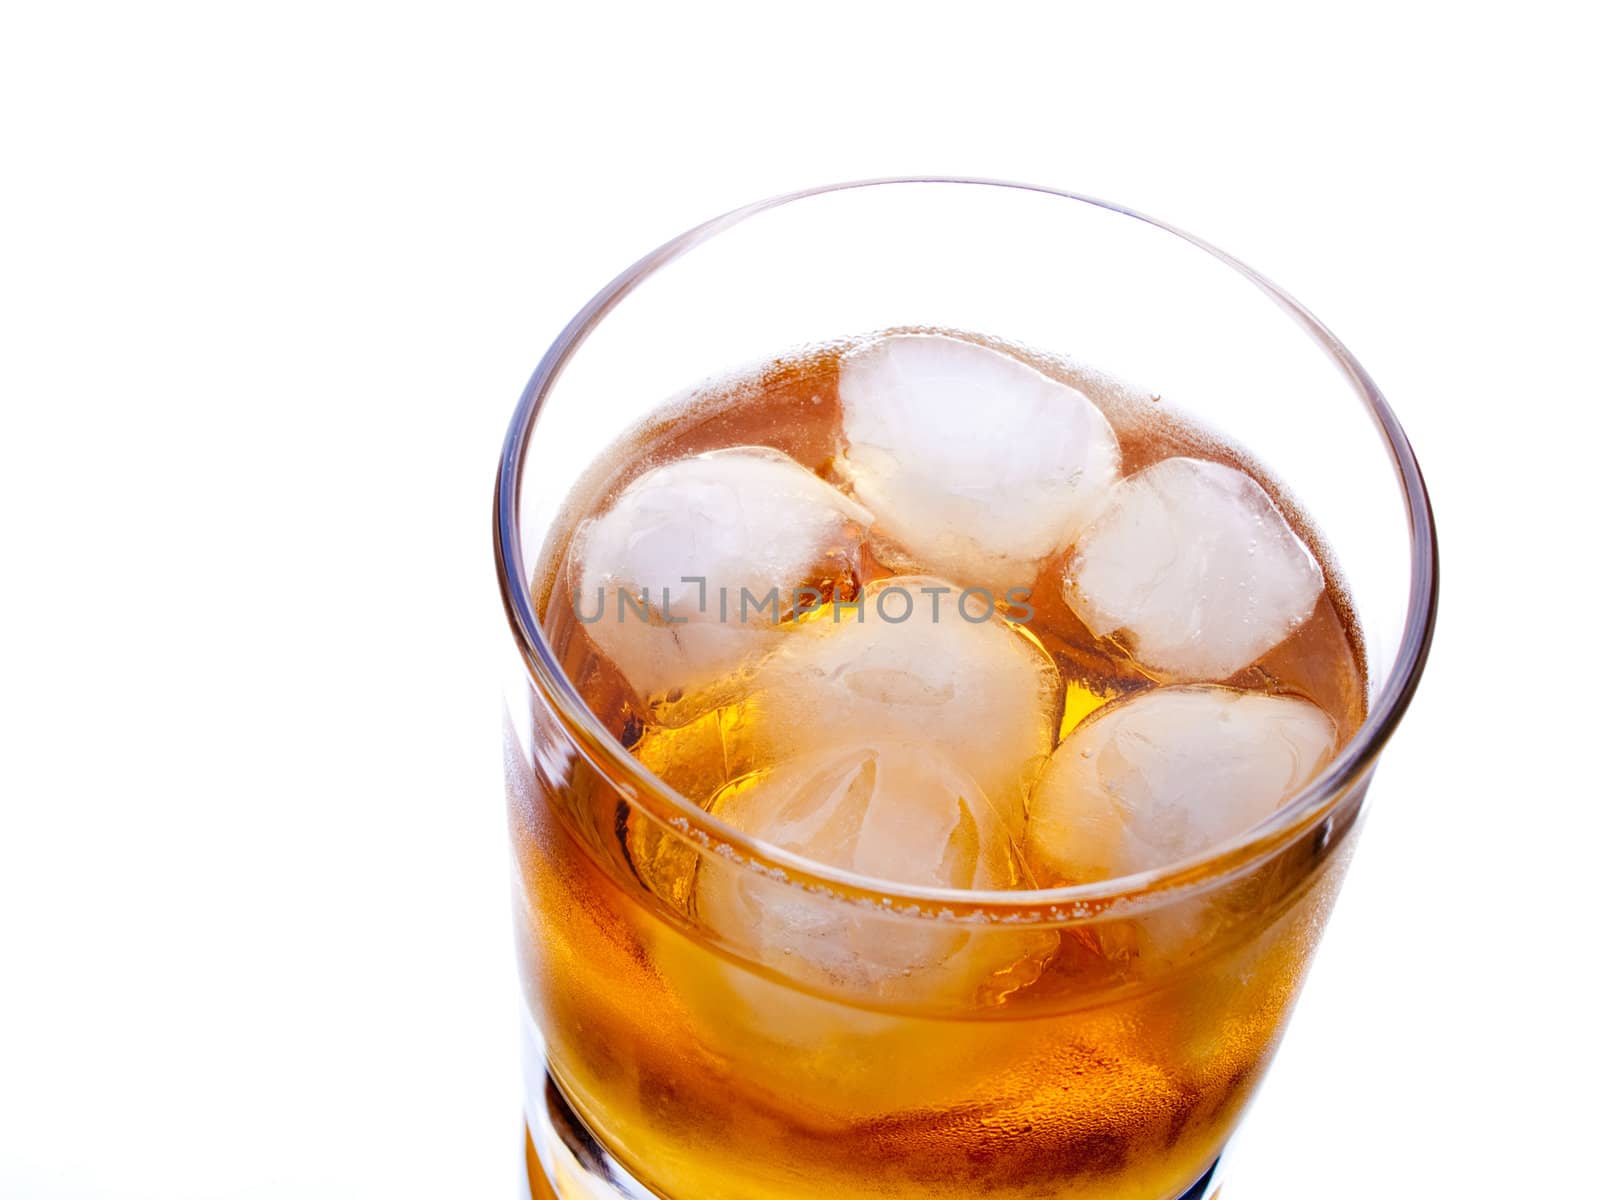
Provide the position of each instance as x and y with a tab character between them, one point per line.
935	756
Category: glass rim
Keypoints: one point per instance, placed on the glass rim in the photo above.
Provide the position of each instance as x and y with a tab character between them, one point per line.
645	792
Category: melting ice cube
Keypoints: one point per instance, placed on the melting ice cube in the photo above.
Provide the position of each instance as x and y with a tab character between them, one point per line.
889	811
665	572
1168	774
977	464
1193	564
907	666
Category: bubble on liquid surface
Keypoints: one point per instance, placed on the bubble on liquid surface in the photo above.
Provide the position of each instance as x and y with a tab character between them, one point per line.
889	811
906	666
747	521
1192	564
974	462
1167	774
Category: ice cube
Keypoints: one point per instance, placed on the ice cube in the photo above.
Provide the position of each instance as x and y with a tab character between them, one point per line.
745	521
890	811
1192	565
974	462
1167	774
907	665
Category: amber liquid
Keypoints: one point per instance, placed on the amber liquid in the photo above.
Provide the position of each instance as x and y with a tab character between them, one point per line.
1118	1072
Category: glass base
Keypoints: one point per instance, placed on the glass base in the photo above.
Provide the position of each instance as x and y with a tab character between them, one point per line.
566	1162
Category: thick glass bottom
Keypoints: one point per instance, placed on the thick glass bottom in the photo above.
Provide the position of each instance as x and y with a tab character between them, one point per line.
566	1162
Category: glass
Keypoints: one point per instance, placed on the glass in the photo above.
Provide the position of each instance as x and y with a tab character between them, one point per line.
665	1058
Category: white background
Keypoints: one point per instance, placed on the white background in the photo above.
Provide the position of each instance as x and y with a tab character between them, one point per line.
271	278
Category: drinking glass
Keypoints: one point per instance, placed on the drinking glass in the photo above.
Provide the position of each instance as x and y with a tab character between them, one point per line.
667	1058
